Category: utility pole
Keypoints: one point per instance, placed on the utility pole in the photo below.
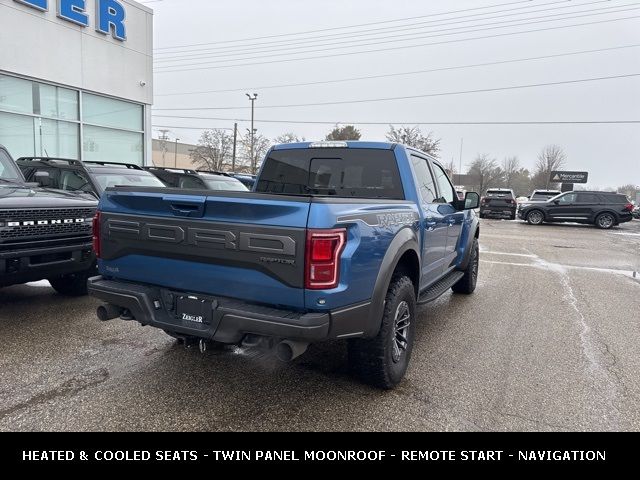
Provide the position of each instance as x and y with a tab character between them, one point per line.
253	131
175	158
235	139
460	169
163	144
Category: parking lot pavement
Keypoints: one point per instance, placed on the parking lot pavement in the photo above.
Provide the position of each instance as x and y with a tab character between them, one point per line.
549	341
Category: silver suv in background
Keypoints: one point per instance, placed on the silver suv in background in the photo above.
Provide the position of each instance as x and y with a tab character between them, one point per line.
543	195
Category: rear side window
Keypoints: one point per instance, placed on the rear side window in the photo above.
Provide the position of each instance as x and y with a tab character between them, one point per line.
617	198
588	198
341	172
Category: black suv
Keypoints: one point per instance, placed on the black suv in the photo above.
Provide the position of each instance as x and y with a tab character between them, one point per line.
44	233
604	209
88	176
197	179
500	202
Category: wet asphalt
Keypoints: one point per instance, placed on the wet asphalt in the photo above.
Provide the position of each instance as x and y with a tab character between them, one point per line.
550	340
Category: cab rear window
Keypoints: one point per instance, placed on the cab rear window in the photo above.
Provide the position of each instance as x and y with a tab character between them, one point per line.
340	172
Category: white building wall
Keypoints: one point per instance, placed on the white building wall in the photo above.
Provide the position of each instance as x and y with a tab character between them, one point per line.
42	46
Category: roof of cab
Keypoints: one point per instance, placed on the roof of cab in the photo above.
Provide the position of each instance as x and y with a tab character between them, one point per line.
350	144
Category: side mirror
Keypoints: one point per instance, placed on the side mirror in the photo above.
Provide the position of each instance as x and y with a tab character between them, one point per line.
557	202
42	178
471	201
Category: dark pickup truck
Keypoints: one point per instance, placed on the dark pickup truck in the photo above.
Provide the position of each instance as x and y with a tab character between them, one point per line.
44	233
338	240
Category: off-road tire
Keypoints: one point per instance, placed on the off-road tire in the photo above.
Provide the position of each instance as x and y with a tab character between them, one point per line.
375	360
467	284
72	284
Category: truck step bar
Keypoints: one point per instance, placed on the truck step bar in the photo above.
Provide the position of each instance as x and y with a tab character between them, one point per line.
438	288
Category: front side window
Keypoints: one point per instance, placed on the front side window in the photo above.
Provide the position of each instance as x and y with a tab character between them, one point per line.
8	170
444	185
424	178
566	199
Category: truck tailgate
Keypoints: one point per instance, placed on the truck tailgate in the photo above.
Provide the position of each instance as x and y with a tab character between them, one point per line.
232	244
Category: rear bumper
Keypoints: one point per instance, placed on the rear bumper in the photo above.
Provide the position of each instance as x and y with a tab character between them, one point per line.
31	264
231	319
498	211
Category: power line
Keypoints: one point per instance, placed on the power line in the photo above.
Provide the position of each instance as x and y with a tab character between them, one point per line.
343	27
404	47
362	33
545	19
400	37
398	74
312	122
412	97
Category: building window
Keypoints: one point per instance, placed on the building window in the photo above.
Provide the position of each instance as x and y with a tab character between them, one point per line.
57	139
56	102
16	95
17	134
38	119
108	112
107	144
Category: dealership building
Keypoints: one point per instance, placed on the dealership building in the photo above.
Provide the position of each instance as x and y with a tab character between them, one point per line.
76	79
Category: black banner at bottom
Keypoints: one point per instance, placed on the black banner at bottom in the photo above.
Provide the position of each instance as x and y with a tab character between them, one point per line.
514	450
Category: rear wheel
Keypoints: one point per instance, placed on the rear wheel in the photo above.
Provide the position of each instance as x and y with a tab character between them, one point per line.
535	217
73	284
383	360
467	284
605	221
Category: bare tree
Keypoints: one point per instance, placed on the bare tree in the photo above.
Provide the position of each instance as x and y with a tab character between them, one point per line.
486	172
348	132
261	145
451	167
288	137
413	137
551	158
213	150
630	190
510	169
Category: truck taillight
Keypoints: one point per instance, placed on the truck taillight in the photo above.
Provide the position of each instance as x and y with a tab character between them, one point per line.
96	234
322	258
629	207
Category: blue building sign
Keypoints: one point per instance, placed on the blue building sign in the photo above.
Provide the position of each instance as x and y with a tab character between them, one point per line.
110	14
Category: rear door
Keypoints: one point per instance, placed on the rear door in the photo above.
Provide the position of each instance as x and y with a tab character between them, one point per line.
231	244
452	217
434	225
586	206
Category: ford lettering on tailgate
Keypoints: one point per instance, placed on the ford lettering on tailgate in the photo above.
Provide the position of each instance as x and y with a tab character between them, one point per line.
273	250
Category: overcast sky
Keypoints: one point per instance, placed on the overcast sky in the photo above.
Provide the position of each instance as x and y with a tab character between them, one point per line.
196	41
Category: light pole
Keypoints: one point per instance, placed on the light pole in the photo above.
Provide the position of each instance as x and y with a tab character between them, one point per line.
253	99
175	158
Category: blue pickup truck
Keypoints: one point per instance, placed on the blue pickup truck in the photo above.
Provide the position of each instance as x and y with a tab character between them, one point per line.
337	240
